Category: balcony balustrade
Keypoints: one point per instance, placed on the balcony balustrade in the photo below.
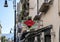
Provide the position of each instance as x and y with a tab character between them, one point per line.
30	36
45	6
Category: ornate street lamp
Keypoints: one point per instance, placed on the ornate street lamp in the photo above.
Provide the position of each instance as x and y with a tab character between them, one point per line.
14	6
5	4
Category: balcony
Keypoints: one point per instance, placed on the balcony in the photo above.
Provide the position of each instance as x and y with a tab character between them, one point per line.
30	35
26	14
44	7
21	1
27	1
27	6
37	17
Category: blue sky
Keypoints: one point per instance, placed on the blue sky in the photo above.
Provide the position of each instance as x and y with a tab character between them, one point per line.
6	16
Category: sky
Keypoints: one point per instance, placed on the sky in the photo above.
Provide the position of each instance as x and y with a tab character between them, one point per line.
7	16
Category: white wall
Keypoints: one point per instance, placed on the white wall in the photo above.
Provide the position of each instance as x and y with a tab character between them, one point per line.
52	17
33	8
19	7
59	5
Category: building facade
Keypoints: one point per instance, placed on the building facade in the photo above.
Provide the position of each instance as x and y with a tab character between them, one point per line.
23	10
32	8
50	16
47	12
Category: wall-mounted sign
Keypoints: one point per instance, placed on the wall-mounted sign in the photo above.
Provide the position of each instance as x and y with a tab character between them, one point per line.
29	23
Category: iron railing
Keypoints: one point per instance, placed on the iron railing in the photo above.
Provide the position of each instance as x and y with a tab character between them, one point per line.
30	37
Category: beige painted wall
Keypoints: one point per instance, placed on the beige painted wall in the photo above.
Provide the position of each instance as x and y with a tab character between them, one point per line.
40	3
59	5
52	17
33	8
18	8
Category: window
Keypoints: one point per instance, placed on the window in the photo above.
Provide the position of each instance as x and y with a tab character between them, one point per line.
47	36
